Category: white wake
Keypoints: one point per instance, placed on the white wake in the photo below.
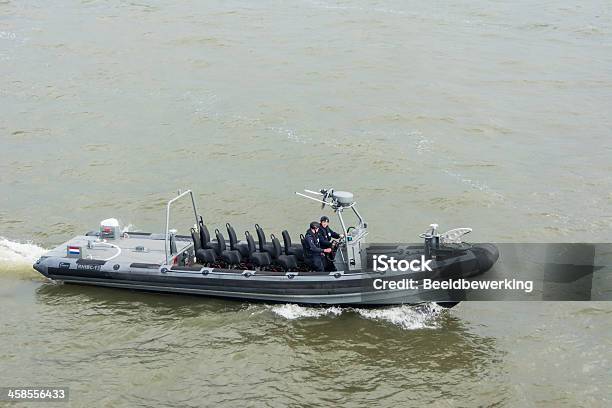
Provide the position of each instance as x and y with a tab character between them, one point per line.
19	253
407	317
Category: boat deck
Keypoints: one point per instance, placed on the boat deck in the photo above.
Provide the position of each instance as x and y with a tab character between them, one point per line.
135	248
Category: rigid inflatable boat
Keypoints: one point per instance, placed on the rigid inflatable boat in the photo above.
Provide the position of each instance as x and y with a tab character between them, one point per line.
260	268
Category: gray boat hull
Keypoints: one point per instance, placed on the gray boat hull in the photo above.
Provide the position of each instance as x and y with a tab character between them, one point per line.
308	288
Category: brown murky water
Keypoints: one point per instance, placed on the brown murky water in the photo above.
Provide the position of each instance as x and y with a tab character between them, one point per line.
488	115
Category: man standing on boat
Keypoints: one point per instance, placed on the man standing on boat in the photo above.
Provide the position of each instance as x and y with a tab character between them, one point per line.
326	234
314	253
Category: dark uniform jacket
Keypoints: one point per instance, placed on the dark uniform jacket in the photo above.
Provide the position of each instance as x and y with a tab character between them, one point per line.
326	235
313	246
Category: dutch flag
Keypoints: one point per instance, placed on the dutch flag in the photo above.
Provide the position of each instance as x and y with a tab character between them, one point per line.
74	250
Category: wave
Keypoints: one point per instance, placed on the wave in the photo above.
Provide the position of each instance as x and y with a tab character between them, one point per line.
407	317
291	311
18	257
18	253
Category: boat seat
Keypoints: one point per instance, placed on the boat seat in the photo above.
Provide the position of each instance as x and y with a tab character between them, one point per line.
203	255
287	262
205	241
258	258
232	257
290	249
261	237
243	248
206	256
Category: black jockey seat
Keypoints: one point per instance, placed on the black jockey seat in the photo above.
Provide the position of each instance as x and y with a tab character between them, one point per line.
203	255
232	257
243	248
261	237
297	251
257	258
205	241
286	262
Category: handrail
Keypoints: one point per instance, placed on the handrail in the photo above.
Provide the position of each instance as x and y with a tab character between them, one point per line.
195	212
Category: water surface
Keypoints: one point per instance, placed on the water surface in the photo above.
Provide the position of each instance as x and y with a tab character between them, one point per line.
488	115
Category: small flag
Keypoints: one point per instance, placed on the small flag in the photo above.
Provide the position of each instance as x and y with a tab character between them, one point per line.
74	250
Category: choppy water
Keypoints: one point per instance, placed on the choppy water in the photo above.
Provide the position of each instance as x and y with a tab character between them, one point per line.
493	115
